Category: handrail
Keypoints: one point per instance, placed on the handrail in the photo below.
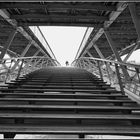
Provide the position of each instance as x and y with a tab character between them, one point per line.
13	68
111	71
106	60
20	58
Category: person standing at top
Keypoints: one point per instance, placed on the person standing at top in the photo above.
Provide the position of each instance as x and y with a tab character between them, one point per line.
67	63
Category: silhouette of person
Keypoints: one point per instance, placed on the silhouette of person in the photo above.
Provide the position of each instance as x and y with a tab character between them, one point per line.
67	63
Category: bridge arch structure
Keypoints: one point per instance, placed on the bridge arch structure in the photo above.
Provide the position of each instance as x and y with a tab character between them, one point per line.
112	31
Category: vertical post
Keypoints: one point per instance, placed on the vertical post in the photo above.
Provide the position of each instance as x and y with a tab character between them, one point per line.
8	43
20	68
135	17
107	70
9	71
119	78
113	47
100	71
98	51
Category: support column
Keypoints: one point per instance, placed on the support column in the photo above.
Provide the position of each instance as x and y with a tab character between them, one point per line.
113	47
8	43
135	17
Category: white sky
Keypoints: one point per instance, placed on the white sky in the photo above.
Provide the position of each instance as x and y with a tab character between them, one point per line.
64	41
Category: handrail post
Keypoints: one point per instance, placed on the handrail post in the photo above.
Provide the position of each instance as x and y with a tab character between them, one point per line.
100	71
137	72
119	79
8	71
107	69
20	69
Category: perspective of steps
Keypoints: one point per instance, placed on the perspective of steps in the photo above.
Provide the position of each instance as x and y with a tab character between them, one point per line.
66	101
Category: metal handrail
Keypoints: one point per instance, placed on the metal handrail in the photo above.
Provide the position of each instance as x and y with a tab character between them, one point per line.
111	71
12	68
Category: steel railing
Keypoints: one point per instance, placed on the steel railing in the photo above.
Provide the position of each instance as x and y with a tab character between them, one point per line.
111	72
13	68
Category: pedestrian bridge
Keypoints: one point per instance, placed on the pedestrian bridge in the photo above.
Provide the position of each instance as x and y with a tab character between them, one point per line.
99	94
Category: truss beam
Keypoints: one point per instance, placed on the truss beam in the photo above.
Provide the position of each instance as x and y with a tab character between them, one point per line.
13	22
113	47
22	55
56	6
112	17
61	23
135	18
44	17
8	43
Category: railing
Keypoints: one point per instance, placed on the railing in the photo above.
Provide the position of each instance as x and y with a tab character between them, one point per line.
38	33
13	68
123	76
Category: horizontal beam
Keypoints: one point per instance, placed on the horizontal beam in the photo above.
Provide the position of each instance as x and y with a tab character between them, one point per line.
49	23
68	0
59	6
47	17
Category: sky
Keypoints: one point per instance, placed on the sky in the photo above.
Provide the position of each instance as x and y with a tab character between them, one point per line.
64	41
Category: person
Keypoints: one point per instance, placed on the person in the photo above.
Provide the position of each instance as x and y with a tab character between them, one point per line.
67	63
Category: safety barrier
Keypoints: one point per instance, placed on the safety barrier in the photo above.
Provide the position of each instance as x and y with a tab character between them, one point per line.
123	76
13	68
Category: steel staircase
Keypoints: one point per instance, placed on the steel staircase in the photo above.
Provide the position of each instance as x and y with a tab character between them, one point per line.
68	101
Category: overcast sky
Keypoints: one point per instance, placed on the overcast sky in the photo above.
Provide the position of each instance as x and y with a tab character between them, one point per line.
64	41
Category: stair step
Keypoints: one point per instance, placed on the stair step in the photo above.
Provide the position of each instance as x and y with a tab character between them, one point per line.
93	130
71	107
68	116
66	100
59	90
68	95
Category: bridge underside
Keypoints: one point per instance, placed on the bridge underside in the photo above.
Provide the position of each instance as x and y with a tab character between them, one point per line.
112	31
113	16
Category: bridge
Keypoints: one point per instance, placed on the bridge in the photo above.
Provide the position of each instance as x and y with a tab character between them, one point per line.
99	94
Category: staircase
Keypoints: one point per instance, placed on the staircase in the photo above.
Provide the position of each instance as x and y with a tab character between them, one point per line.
66	101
